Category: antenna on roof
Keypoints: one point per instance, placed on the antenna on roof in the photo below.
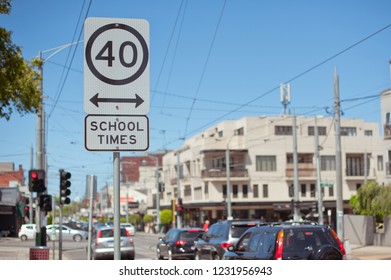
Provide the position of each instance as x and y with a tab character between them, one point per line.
285	95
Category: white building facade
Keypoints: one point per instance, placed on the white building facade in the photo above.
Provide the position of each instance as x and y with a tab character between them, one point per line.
261	167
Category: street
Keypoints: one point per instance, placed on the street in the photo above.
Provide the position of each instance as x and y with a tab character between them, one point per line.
15	249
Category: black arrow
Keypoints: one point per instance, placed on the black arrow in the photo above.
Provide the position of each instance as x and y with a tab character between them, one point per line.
95	100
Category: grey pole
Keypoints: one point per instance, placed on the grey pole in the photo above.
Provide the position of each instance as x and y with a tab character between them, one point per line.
116	185
91	180
228	170
179	218
296	209
318	182
338	159
158	192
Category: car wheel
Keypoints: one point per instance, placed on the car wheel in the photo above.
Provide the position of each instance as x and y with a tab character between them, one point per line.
23	238
159	257
77	238
197	256
215	257
327	253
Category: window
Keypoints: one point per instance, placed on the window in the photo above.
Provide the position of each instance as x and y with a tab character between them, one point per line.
266	163
283	130
235	191
265	190
348	131
327	163
331	191
387	118
368	133
380	163
301	158
255	191
224	191
303	190
312	190
239	131
321	130
245	191
206	190
220	133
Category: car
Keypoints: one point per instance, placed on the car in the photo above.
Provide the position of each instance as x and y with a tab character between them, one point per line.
102	244
214	243
53	232
178	243
287	241
27	231
129	227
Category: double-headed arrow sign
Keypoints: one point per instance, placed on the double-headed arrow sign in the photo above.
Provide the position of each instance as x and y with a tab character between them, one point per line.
96	100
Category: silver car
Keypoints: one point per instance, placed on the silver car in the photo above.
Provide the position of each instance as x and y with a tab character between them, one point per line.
53	232
102	244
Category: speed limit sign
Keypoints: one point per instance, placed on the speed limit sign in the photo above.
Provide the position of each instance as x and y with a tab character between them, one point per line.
116	66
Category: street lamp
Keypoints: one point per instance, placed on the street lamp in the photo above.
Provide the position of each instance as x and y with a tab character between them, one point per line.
227	165
40	136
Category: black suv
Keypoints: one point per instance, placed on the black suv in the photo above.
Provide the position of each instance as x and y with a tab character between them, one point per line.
178	243
214	243
291	241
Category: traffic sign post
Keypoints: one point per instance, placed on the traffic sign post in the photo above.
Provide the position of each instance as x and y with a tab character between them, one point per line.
116	133
116	66
116	93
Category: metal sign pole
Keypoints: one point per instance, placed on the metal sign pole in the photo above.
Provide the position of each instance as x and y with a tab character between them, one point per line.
117	235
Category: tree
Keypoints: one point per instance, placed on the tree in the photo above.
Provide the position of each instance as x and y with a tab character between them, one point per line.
166	217
372	200
18	79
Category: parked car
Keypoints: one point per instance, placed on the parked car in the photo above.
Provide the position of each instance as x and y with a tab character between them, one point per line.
27	231
214	243
291	241
129	227
178	243
67	233
102	244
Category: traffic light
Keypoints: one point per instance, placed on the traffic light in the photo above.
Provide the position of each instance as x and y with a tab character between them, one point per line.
37	180
65	184
179	207
45	202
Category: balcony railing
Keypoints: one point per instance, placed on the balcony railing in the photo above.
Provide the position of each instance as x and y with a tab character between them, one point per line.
304	170
222	173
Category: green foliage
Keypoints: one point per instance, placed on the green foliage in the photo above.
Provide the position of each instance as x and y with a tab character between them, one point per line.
18	81
148	219
372	200
166	217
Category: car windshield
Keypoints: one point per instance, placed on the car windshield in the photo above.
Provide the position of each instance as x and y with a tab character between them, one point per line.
108	233
189	235
238	230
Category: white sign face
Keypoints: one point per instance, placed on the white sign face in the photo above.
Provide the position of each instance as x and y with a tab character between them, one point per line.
116	133
116	66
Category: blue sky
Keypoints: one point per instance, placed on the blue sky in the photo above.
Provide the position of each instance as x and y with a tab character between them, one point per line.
210	60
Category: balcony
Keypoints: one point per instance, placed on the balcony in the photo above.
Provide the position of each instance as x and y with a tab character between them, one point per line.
222	173
304	170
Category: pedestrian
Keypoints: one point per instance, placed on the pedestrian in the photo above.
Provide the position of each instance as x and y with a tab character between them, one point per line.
206	225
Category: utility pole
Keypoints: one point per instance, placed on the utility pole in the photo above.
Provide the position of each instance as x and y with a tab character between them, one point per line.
318	179
296	202
179	218
338	160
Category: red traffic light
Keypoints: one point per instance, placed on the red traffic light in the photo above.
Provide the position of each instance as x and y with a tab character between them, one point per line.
34	175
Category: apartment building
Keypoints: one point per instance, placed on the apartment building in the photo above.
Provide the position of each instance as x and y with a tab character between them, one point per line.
385	98
261	168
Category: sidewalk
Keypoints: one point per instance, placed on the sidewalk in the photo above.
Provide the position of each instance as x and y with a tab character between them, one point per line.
361	252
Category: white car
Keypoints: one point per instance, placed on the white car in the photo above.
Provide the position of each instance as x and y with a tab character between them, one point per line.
27	231
67	233
129	227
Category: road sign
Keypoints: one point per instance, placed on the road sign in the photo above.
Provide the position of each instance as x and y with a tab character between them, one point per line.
116	66
116	133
